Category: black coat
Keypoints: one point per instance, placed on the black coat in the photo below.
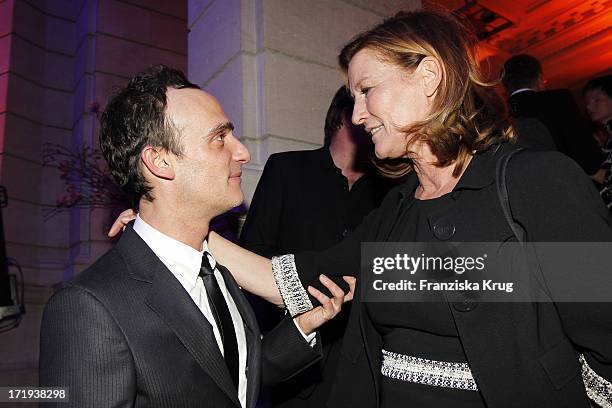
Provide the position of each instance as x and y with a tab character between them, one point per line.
521	354
125	333
302	202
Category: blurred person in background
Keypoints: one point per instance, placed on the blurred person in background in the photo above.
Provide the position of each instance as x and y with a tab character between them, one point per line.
310	200
598	100
556	109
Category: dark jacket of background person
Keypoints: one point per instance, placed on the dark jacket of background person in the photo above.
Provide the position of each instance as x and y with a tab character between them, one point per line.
126	333
302	202
532	134
521	354
557	110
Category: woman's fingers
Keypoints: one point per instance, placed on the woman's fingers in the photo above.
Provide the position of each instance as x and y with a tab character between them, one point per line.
334	289
329	308
317	294
121	221
351	280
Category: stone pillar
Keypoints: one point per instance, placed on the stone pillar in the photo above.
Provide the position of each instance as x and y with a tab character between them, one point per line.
115	40
272	64
37	53
57	60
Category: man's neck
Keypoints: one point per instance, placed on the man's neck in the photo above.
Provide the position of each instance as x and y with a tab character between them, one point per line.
344	153
171	222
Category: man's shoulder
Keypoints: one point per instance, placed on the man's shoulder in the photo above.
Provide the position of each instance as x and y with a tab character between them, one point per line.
299	164
105	275
559	100
296	158
555	94
99	284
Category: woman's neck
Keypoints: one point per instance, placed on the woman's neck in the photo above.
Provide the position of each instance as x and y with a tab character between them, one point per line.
434	181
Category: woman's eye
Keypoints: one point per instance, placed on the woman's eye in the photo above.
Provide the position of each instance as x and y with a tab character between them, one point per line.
365	91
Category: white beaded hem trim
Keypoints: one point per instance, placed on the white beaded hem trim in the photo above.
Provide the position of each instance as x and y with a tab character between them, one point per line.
598	389
428	372
293	293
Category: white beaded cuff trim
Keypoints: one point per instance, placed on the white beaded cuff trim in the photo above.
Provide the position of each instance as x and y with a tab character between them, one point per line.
598	389
293	293
428	372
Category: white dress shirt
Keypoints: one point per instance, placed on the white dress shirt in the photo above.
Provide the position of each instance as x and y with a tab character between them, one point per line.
184	262
521	90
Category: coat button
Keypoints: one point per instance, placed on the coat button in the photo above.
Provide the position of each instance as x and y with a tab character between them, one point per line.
444	230
465	303
345	232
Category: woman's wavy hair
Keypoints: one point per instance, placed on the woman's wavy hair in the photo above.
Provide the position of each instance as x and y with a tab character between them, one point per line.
467	114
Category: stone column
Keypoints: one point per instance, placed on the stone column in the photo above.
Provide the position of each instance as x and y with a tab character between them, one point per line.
37	52
272	64
115	40
58	59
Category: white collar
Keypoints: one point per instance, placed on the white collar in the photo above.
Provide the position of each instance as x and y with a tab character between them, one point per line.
180	258
522	90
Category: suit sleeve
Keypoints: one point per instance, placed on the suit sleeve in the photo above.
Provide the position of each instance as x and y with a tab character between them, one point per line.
83	348
261	227
285	353
562	205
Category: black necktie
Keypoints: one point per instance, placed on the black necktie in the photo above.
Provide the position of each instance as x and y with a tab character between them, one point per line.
222	315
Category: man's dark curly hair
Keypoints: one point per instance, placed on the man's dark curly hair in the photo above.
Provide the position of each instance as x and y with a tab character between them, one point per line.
134	118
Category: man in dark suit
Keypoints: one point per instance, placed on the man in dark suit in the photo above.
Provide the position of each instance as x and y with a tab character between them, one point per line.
309	200
556	109
156	321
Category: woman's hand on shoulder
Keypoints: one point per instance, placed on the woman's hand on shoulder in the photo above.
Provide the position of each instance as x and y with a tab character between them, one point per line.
121	221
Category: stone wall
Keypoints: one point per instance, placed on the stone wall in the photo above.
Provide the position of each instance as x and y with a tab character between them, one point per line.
38	53
272	64
58	58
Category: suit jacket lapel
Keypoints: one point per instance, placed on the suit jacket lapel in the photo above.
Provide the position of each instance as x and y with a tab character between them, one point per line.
173	305
253	336
169	300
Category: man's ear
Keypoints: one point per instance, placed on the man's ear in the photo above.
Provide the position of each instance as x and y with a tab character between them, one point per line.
158	162
431	74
